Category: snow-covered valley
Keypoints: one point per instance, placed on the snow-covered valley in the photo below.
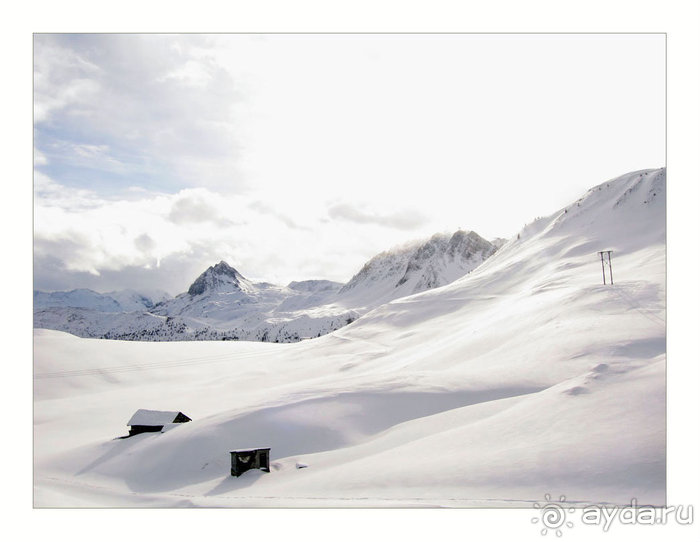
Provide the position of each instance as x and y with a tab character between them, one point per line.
523	377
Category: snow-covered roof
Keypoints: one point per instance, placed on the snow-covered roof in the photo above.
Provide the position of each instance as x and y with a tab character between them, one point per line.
152	417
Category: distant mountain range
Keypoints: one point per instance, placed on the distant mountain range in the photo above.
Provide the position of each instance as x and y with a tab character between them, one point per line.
119	301
221	304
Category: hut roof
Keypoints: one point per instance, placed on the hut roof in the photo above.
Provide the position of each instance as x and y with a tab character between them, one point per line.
152	417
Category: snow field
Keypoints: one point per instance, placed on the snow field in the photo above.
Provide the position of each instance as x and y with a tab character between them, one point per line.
525	377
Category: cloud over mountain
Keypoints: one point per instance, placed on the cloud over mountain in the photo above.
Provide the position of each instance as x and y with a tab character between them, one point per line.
403	220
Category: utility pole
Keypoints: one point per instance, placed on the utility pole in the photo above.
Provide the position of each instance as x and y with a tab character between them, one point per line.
602	264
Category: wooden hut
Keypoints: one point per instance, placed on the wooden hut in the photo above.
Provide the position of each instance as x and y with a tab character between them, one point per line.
153	421
253	458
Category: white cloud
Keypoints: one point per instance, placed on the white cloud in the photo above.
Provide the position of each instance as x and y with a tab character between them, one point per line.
194	73
49	194
39	158
403	220
62	77
90	151
145	244
149	106
293	156
80	232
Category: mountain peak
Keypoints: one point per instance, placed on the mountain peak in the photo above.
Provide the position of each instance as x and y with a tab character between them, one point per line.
223	268
422	265
218	276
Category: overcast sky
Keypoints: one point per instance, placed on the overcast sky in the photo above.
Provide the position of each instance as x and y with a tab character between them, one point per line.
301	156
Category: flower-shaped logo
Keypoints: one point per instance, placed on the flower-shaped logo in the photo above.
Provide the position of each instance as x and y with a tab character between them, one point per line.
553	515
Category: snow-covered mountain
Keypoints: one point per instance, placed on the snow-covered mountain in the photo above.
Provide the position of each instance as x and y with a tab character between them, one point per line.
220	277
417	267
524	378
222	294
82	298
222	304
117	301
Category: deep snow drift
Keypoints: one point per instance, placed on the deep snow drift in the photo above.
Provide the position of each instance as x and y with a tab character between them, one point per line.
527	376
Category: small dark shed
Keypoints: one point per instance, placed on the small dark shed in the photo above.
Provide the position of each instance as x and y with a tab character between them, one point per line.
254	458
152	421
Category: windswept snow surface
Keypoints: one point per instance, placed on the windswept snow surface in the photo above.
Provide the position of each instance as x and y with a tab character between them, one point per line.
527	376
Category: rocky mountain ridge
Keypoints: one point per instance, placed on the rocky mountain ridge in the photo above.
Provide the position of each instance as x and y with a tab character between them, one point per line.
222	304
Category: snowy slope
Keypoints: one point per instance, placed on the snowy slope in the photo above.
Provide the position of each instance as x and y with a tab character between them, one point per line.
527	376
